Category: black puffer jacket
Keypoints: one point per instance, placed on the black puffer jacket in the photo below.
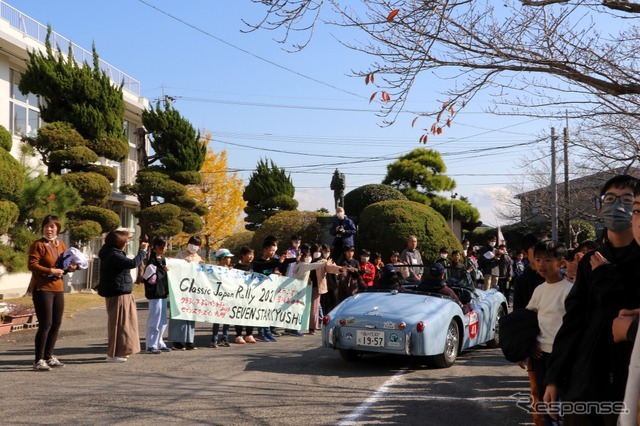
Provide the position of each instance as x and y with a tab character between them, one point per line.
115	275
160	289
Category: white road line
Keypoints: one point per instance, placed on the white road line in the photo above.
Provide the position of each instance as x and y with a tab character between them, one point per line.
359	412
352	418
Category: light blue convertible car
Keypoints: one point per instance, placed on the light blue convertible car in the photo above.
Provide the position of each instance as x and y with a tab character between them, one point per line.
415	324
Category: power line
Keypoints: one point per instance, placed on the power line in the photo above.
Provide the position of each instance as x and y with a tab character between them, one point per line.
268	61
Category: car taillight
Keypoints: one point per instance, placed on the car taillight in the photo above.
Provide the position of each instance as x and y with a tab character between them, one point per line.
341	321
420	327
402	326
325	320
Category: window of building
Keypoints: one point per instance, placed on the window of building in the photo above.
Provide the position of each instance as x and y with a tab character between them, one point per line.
24	110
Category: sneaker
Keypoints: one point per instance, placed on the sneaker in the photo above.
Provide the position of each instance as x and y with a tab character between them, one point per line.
116	359
262	338
190	347
269	338
154	351
213	344
225	342
297	333
177	346
250	339
41	365
165	349
240	340
274	332
53	362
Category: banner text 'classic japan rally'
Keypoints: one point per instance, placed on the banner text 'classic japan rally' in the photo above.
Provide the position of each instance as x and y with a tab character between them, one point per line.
215	294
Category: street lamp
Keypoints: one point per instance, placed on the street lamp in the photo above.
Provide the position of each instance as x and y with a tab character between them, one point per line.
453	197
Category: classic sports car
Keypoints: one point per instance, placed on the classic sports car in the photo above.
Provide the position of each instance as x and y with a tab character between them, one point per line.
415	324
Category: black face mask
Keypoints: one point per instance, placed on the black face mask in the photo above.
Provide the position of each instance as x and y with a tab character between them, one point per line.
616	216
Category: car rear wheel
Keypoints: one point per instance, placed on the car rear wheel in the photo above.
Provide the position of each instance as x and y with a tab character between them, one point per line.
495	342
450	352
350	355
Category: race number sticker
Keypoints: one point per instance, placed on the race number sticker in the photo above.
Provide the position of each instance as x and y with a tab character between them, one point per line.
473	324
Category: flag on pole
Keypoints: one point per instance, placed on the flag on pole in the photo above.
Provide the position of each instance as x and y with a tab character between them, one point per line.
500	236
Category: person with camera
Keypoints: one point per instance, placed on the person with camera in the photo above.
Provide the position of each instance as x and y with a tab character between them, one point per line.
343	231
488	261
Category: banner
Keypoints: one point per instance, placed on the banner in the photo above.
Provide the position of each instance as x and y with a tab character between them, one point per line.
215	294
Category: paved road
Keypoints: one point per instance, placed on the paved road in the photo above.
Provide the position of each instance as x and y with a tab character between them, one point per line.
293	381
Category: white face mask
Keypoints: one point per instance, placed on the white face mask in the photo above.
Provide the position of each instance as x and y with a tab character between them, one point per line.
191	248
317	255
340	215
492	244
365	259
296	245
325	255
307	260
49	239
443	256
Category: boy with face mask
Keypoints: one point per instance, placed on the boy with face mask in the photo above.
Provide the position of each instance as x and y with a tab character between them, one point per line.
586	362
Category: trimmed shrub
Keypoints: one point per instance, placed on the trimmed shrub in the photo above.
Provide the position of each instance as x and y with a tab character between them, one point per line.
107	219
191	222
187	178
84	230
75	155
8	215
201	210
235	242
185	201
157	183
93	188
161	219
284	224
11	177
107	171
169	228
57	136
358	199
385	226
6	141
113	149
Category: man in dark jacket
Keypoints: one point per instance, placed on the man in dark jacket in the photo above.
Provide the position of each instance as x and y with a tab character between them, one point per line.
343	231
488	263
586	364
525	283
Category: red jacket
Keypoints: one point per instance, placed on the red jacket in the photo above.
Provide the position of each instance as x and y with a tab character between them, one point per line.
368	273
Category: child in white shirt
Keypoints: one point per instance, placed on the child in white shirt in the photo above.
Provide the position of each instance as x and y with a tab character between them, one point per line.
548	301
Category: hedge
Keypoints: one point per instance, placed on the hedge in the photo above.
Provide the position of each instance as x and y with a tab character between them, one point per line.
385	226
360	198
8	215
6	141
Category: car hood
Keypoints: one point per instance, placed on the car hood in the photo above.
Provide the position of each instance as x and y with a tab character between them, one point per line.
390	305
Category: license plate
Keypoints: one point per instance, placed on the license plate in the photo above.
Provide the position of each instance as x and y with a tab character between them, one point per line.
370	338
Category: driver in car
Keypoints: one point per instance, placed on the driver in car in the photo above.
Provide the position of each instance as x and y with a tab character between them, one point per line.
435	282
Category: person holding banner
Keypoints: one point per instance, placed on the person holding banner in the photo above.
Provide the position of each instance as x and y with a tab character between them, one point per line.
224	258
182	332
156	290
245	264
116	286
318	279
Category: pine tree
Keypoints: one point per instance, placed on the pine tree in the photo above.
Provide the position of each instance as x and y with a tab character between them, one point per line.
269	191
179	155
85	112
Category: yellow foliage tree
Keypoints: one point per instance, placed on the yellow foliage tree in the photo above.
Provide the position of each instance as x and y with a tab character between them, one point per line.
221	191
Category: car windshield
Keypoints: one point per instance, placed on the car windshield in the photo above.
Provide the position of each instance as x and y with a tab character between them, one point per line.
459	278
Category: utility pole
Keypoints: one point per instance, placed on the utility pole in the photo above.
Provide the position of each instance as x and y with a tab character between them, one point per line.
567	215
554	188
453	197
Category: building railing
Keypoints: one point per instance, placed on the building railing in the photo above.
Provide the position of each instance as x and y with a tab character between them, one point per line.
37	31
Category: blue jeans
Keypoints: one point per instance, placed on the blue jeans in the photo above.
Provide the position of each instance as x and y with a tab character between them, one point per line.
216	328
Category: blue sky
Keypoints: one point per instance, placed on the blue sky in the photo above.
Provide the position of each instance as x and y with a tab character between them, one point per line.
303	110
